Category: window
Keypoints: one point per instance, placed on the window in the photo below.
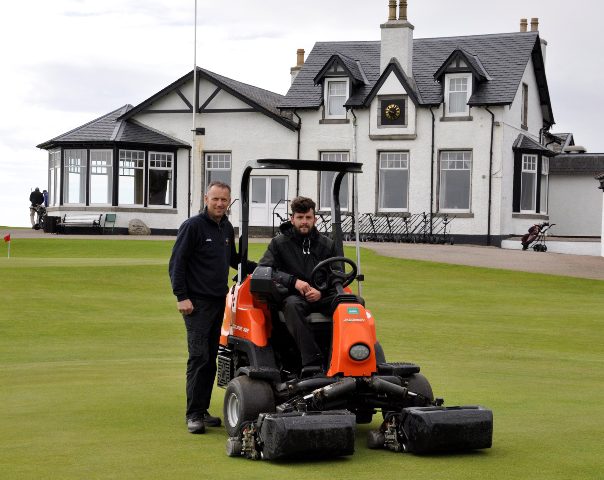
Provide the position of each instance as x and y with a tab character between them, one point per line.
75	176
528	184
325	194
101	176
455	180
336	94
393	181
218	168
544	185
54	178
131	177
457	88
160	178
524	107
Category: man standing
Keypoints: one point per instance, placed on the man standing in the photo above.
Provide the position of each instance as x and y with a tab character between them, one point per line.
36	198
293	256
199	270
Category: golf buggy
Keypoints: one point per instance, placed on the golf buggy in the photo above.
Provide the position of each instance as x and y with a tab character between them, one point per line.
274	409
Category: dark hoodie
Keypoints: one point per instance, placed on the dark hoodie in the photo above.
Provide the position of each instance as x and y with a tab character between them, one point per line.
293	256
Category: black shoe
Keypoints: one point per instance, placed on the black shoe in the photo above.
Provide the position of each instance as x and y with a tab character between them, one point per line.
196	425
210	421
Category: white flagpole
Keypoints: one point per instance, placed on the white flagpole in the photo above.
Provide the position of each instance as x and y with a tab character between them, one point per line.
192	180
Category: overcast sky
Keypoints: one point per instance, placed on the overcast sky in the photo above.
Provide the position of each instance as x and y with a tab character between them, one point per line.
66	62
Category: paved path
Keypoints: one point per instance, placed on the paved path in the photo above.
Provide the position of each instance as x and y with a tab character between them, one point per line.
490	257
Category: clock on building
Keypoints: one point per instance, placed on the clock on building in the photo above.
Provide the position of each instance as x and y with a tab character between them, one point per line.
392	112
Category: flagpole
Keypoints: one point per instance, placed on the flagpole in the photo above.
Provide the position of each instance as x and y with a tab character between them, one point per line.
194	144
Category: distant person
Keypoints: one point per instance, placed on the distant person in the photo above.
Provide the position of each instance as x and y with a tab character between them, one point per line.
199	271
36	198
45	193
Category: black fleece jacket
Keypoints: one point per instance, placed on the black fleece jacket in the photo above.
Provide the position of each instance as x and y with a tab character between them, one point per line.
201	256
286	255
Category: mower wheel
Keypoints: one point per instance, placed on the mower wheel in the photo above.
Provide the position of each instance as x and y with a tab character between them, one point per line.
417	383
244	400
375	439
380	356
234	447
363	416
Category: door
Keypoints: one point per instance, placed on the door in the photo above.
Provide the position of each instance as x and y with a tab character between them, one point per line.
268	200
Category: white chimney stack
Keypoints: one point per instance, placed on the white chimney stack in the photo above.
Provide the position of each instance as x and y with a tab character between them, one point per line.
397	38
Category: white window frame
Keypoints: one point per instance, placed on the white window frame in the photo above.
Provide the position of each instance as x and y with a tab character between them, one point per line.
70	166
96	169
163	161
327	96
524	105
224	163
529	167
136	163
385	164
544	193
454	76
441	168
344	157
55	179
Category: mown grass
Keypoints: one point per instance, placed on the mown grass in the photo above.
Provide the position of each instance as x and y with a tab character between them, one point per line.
93	354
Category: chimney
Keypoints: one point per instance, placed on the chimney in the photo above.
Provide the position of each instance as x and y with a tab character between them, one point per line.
523	24
534	24
299	62
397	38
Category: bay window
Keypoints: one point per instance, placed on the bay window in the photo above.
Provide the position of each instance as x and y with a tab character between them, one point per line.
131	177
101	176
160	178
54	178
528	184
75	176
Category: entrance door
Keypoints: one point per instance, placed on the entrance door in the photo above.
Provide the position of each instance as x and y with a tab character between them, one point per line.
268	199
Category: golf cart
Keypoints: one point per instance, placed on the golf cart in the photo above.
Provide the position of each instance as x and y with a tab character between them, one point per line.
274	409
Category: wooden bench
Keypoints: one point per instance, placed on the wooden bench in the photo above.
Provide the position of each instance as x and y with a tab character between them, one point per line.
81	220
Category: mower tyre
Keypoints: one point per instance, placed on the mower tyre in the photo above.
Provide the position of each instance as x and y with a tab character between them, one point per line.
244	400
417	383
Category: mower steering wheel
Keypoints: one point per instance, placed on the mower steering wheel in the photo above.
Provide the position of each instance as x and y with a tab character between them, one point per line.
331	275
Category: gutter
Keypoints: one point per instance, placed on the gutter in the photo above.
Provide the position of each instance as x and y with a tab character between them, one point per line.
432	171
490	176
298	152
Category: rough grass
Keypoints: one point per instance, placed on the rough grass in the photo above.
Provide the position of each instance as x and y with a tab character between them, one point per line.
93	355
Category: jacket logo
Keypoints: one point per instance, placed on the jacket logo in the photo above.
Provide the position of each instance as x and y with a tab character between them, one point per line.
208	239
226	242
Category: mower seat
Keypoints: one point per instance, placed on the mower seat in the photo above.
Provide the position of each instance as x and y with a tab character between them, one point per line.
313	318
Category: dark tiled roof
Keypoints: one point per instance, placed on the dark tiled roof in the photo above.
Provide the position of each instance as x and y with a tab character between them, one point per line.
502	56
353	66
305	94
472	60
577	164
527	144
109	128
258	98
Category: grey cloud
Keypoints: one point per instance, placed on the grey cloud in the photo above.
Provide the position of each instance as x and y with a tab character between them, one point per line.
98	87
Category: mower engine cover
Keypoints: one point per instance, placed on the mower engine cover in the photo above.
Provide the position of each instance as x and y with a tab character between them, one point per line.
447	429
307	435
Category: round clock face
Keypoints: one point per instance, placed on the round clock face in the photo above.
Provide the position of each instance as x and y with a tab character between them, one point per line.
392	111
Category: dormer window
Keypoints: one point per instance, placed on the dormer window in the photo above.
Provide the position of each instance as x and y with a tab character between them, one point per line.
336	94
458	88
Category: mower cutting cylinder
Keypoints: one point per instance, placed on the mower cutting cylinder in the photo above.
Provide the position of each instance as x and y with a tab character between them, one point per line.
307	435
445	429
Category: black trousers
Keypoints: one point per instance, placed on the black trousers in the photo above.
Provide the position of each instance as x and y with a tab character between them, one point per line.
295	310
203	334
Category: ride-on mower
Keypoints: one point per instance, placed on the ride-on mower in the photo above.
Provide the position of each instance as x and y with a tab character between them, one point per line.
275	409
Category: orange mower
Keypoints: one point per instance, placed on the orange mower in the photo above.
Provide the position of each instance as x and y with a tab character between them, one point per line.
274	409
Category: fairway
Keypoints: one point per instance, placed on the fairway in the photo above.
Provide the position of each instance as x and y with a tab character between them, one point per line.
93	357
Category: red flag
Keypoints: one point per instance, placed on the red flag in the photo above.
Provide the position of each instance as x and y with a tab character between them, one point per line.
7	238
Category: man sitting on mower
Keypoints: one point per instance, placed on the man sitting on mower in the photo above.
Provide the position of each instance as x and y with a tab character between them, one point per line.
293	256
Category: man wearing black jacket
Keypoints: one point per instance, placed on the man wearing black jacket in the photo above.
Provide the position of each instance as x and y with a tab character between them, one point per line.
199	270
293	256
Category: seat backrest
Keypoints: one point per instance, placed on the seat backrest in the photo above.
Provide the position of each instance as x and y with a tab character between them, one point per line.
110	217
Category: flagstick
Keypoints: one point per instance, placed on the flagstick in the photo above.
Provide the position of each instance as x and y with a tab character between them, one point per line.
9	249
